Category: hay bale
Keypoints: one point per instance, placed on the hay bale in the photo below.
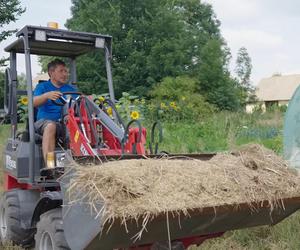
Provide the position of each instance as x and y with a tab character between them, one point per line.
134	188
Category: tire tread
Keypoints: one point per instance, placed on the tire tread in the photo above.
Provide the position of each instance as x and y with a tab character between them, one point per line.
51	222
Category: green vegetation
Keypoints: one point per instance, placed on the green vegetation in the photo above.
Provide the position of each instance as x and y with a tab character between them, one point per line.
9	11
224	131
4	134
283	236
151	39
154	40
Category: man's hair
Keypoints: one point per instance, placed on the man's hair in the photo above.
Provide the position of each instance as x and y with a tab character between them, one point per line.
53	64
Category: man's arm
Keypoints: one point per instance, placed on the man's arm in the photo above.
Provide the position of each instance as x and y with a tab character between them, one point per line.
41	99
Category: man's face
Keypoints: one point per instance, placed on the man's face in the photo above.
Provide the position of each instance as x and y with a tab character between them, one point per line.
59	75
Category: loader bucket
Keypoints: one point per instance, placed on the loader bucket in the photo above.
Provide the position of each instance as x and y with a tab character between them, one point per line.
84	229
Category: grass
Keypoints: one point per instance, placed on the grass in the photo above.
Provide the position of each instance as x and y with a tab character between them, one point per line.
225	131
279	237
4	133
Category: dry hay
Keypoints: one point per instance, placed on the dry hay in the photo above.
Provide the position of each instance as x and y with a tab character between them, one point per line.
134	188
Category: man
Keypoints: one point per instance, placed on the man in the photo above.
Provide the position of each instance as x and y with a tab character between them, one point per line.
49	113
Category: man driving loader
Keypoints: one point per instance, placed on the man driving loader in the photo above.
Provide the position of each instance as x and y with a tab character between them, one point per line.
48	112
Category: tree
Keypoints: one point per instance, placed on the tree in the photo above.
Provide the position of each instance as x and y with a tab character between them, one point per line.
9	11
2	79
243	70
243	67
215	82
151	39
182	92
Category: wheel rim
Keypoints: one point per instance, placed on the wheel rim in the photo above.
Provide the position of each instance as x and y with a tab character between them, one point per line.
3	223
46	242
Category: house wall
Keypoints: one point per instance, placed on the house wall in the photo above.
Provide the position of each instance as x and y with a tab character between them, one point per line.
251	107
281	103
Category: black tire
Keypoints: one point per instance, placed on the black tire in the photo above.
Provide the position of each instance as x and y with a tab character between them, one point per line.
50	232
10	221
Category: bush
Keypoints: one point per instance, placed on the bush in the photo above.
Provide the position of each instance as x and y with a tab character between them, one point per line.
177	99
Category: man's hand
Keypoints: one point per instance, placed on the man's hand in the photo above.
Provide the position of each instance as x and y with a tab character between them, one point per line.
53	95
41	99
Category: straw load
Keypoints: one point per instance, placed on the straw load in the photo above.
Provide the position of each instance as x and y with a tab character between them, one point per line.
130	189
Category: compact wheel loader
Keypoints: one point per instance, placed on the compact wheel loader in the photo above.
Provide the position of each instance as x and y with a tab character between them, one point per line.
34	208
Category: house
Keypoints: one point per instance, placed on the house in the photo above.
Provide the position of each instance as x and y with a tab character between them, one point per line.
38	78
275	91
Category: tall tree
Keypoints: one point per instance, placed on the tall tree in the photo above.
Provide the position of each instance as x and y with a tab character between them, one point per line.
243	70
2	77
9	11
152	40
215	81
243	67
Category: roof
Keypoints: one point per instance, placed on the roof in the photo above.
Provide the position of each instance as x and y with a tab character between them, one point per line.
40	77
277	88
59	42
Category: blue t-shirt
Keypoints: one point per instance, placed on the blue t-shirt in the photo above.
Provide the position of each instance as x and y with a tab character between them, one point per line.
49	110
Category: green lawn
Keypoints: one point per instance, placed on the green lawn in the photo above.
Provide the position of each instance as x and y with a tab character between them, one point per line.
283	236
225	131
4	133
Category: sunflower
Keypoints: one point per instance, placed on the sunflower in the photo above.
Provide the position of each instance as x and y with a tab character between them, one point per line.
163	105
173	105
24	100
101	99
109	111
134	115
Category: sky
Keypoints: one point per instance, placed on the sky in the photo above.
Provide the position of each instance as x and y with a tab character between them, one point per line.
38	13
267	28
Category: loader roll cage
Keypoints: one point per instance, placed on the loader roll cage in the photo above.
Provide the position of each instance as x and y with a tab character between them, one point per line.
34	40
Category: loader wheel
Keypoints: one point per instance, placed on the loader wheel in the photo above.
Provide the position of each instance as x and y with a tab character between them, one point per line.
10	221
50	232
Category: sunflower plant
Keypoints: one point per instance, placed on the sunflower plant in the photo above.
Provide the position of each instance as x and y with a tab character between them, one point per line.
178	99
22	111
128	106
100	98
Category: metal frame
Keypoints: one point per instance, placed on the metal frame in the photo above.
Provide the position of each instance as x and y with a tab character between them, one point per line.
69	41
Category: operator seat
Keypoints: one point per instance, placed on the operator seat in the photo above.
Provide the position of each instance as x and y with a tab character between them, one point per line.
25	134
38	137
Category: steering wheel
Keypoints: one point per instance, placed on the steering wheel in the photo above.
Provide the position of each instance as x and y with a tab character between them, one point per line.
63	100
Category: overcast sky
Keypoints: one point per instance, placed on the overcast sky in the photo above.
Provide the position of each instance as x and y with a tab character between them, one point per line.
38	12
267	28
